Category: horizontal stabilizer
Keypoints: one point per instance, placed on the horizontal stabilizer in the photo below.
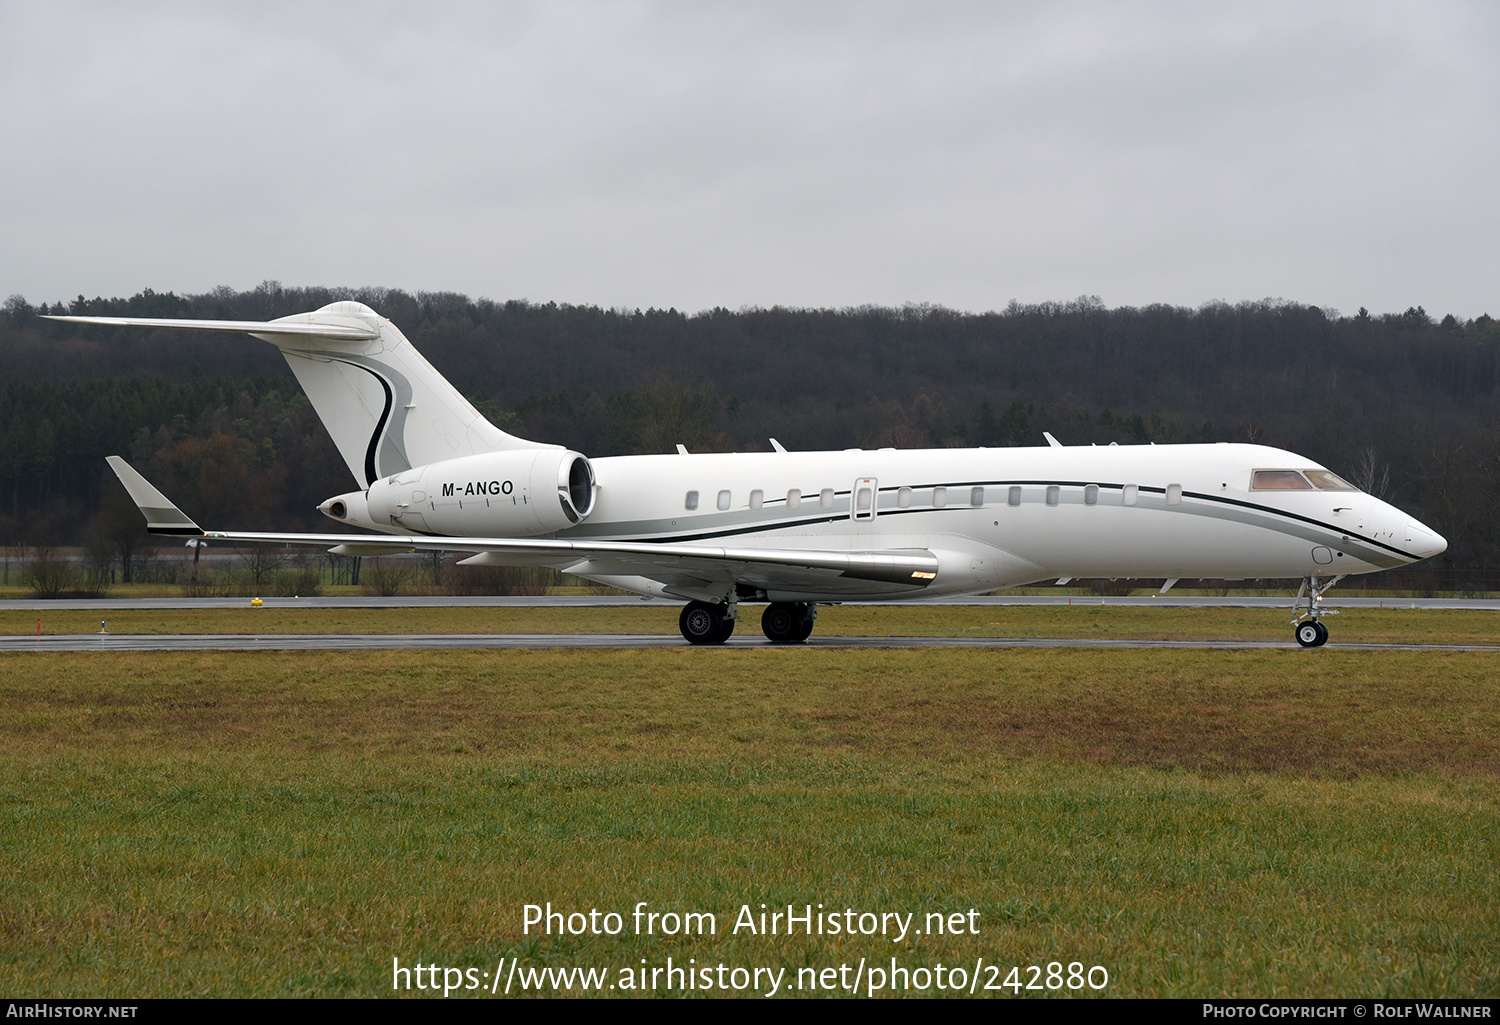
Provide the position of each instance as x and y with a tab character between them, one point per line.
162	517
340	332
385	407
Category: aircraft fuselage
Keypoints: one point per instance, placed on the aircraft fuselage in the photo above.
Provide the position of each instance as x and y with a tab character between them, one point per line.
995	517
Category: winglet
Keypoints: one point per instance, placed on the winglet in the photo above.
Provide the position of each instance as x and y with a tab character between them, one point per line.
162	517
1051	440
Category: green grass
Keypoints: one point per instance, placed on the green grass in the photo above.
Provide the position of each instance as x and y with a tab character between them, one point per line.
1393	625
1200	823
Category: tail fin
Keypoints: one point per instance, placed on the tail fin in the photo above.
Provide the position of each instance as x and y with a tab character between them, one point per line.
385	406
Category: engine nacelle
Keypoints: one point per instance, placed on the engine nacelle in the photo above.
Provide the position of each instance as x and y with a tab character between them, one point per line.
351	508
518	493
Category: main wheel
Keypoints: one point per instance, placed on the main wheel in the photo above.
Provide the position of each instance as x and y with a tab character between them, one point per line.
1311	633
702	623
782	622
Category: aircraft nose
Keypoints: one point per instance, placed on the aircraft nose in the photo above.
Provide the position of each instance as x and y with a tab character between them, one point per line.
1424	542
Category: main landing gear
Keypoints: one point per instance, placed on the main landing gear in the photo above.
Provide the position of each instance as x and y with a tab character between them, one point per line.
784	622
704	623
789	622
1307	625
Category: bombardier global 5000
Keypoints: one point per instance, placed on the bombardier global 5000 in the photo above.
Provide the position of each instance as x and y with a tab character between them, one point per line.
794	528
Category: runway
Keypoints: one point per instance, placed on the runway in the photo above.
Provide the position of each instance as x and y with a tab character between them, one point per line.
429	642
1160	601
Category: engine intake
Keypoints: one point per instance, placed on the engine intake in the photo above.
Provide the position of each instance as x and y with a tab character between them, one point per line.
575	487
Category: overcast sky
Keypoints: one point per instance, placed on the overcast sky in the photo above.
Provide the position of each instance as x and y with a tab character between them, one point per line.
810	154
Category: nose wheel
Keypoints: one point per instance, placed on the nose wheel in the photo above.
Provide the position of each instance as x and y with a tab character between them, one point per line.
1312	634
1307	625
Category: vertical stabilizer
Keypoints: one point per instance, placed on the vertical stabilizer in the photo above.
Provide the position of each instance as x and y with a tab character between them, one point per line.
385	406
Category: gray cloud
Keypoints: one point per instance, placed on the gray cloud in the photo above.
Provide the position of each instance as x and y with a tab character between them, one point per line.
700	154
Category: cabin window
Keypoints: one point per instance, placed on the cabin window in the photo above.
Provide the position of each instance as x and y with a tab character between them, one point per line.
1129	493
939	497
1279	480
903	498
1325	481
691	502
723	500
1174	494
1054	494
1091	495
976	496
1015	495
825	498
794	499
757	498
862	500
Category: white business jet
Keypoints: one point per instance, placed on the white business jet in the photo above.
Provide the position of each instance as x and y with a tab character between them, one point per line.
794	528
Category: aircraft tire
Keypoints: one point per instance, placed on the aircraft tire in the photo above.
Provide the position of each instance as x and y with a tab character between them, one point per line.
782	623
702	623
1322	635
1311	634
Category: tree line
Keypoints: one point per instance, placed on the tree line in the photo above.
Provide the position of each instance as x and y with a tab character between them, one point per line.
1404	404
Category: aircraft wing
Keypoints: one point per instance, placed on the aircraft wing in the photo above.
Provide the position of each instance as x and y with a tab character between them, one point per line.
687	569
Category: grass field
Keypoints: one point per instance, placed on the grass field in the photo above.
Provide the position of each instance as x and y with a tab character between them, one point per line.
1393	625
1255	823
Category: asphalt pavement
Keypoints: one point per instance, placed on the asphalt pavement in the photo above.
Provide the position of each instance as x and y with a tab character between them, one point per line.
1164	601
425	642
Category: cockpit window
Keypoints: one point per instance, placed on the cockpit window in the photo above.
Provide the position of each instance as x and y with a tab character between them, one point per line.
1325	481
1279	480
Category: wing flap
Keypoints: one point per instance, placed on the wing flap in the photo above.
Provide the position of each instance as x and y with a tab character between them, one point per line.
368	549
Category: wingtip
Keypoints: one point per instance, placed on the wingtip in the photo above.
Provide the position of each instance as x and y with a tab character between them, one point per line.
162	516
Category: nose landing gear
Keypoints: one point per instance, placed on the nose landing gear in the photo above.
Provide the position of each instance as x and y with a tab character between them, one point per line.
1307	625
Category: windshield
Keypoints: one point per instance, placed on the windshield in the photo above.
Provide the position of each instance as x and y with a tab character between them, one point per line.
1325	481
1279	480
